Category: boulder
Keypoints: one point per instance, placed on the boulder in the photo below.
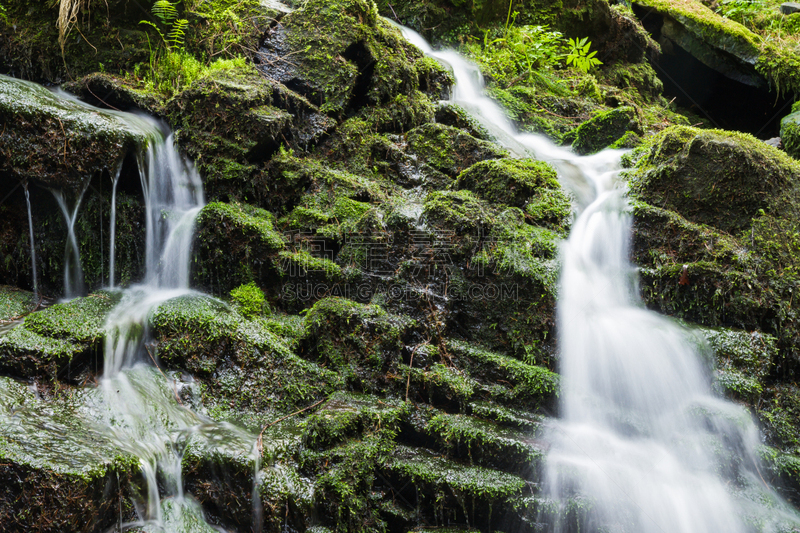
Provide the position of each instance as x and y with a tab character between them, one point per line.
59	143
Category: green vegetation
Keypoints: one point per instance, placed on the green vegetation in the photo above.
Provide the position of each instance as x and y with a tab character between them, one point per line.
248	300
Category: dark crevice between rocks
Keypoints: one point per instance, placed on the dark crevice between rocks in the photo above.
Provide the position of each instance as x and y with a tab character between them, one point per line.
728	104
359	54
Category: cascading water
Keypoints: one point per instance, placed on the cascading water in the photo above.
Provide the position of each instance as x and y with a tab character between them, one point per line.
643	445
136	406
112	248
73	270
33	246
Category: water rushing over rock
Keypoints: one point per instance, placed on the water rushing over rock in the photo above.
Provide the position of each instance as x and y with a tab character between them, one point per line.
643	442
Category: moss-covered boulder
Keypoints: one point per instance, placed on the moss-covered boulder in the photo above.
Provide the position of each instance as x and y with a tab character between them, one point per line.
511	182
233	245
58	143
604	129
448	149
718	178
363	343
342	56
58	473
62	341
790	132
15	303
236	361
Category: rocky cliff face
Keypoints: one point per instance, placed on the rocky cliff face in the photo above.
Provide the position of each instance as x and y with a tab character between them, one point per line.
369	253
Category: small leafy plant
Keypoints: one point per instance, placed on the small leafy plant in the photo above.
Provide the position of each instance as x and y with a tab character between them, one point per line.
579	55
167	14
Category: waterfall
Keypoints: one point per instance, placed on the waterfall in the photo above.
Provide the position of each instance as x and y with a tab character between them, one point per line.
73	270
113	228
643	443
33	247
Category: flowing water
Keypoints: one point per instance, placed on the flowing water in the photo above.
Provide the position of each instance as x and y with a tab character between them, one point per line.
73	270
136	408
643	445
112	248
33	247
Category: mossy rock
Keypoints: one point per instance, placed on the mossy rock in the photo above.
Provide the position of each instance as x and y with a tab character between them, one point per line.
58	473
487	444
236	361
342	56
524	385
58	143
475	494
512	182
714	177
233	245
790	134
60	342
109	91
362	342
604	129
743	361
452	114
448	149
15	303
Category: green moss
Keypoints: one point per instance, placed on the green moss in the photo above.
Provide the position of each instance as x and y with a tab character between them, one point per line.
461	211
432	474
302	263
604	129
511	182
249	300
713	177
448	149
505	415
81	320
527	385
353	337
80	143
790	133
233	241
58	472
15	302
246	372
347	415
443	385
485	443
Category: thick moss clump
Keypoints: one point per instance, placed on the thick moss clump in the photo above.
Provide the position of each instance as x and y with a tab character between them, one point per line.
59	342
58	143
790	133
511	182
448	149
67	477
743	361
604	129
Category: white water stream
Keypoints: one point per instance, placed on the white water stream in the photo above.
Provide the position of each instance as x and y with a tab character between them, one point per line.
643	445
33	243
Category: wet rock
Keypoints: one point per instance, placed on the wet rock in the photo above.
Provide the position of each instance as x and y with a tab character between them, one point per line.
60	342
58	143
726	179
448	149
342	56
106	91
790	132
57	472
512	182
604	129
788	8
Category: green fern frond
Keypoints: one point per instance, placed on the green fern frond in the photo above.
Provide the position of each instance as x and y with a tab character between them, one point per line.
177	35
165	11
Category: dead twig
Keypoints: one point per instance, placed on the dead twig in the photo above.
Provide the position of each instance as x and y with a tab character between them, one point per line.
174	388
261	435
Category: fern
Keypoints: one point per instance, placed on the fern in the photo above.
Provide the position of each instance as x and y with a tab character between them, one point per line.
177	35
165	11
